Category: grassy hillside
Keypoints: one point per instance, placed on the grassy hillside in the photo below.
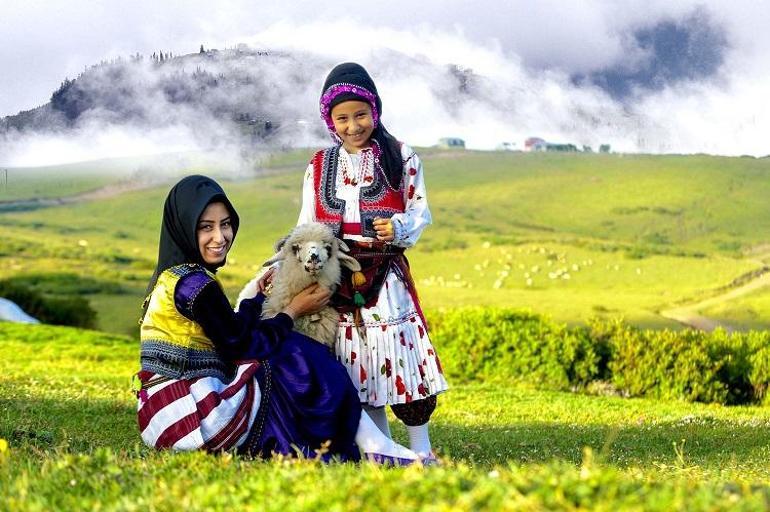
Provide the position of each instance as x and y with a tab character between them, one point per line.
571	236
68	440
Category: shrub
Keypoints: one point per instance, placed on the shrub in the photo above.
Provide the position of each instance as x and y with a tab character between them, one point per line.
74	311
491	343
500	344
666	364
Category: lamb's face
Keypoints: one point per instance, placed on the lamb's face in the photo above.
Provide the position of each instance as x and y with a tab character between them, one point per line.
312	255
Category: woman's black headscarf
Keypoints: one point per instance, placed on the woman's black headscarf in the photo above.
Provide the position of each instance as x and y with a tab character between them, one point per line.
179	231
350	81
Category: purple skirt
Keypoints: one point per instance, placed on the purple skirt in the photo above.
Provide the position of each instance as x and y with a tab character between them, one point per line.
309	405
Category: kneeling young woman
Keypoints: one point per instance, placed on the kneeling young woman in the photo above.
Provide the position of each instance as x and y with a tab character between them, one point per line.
214	379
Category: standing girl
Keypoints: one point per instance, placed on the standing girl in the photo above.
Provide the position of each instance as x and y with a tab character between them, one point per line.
369	189
216	380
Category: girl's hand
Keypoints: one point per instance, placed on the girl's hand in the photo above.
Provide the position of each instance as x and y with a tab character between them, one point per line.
265	280
310	300
384	229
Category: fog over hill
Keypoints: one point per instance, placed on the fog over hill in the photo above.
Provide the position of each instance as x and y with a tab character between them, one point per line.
664	79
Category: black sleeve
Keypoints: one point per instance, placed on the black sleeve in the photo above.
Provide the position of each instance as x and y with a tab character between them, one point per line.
237	336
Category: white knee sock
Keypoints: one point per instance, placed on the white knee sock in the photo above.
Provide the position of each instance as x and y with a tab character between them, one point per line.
370	439
419	440
380	418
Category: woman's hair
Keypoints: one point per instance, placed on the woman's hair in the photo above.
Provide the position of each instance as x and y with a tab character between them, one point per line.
350	81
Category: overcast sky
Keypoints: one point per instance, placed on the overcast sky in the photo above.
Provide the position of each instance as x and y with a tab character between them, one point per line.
587	43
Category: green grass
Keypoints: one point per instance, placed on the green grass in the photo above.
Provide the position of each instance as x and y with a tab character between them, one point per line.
644	232
659	231
25	183
69	419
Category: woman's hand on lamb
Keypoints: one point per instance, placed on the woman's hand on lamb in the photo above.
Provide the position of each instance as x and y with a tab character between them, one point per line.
265	280
310	300
384	229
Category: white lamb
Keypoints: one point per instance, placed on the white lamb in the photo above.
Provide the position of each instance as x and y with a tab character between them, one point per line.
309	254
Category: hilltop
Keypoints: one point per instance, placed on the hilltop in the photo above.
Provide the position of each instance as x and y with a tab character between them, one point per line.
238	96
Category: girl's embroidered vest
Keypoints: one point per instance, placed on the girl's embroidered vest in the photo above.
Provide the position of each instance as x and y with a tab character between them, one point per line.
377	199
171	344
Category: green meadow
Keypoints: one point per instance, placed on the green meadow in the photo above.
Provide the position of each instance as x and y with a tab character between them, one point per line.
569	236
68	421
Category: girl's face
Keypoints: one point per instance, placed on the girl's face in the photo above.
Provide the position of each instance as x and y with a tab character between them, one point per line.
354	124
215	233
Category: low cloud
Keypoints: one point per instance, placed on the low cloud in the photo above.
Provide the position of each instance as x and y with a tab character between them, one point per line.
682	79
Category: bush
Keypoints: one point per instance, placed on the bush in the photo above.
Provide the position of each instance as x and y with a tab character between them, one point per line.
500	344
74	311
491	343
666	364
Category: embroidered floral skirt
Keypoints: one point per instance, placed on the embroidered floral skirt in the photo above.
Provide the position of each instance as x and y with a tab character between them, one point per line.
390	357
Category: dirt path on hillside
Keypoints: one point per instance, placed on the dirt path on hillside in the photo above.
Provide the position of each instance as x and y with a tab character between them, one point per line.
688	314
121	187
105	192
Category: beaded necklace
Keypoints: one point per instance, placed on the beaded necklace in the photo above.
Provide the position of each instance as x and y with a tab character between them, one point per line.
369	162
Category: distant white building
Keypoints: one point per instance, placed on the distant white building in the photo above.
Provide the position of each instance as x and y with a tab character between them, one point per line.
451	143
538	144
534	144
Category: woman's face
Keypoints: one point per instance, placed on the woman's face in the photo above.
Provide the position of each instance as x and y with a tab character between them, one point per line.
215	233
353	123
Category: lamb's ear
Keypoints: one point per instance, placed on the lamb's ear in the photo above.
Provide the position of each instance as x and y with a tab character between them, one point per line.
348	261
345	259
278	256
280	243
342	246
274	259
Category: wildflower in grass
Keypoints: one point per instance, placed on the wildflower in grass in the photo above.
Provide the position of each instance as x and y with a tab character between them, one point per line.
83	243
486	245
3	446
529	282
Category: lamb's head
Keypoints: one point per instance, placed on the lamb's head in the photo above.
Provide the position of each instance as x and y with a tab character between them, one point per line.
314	247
